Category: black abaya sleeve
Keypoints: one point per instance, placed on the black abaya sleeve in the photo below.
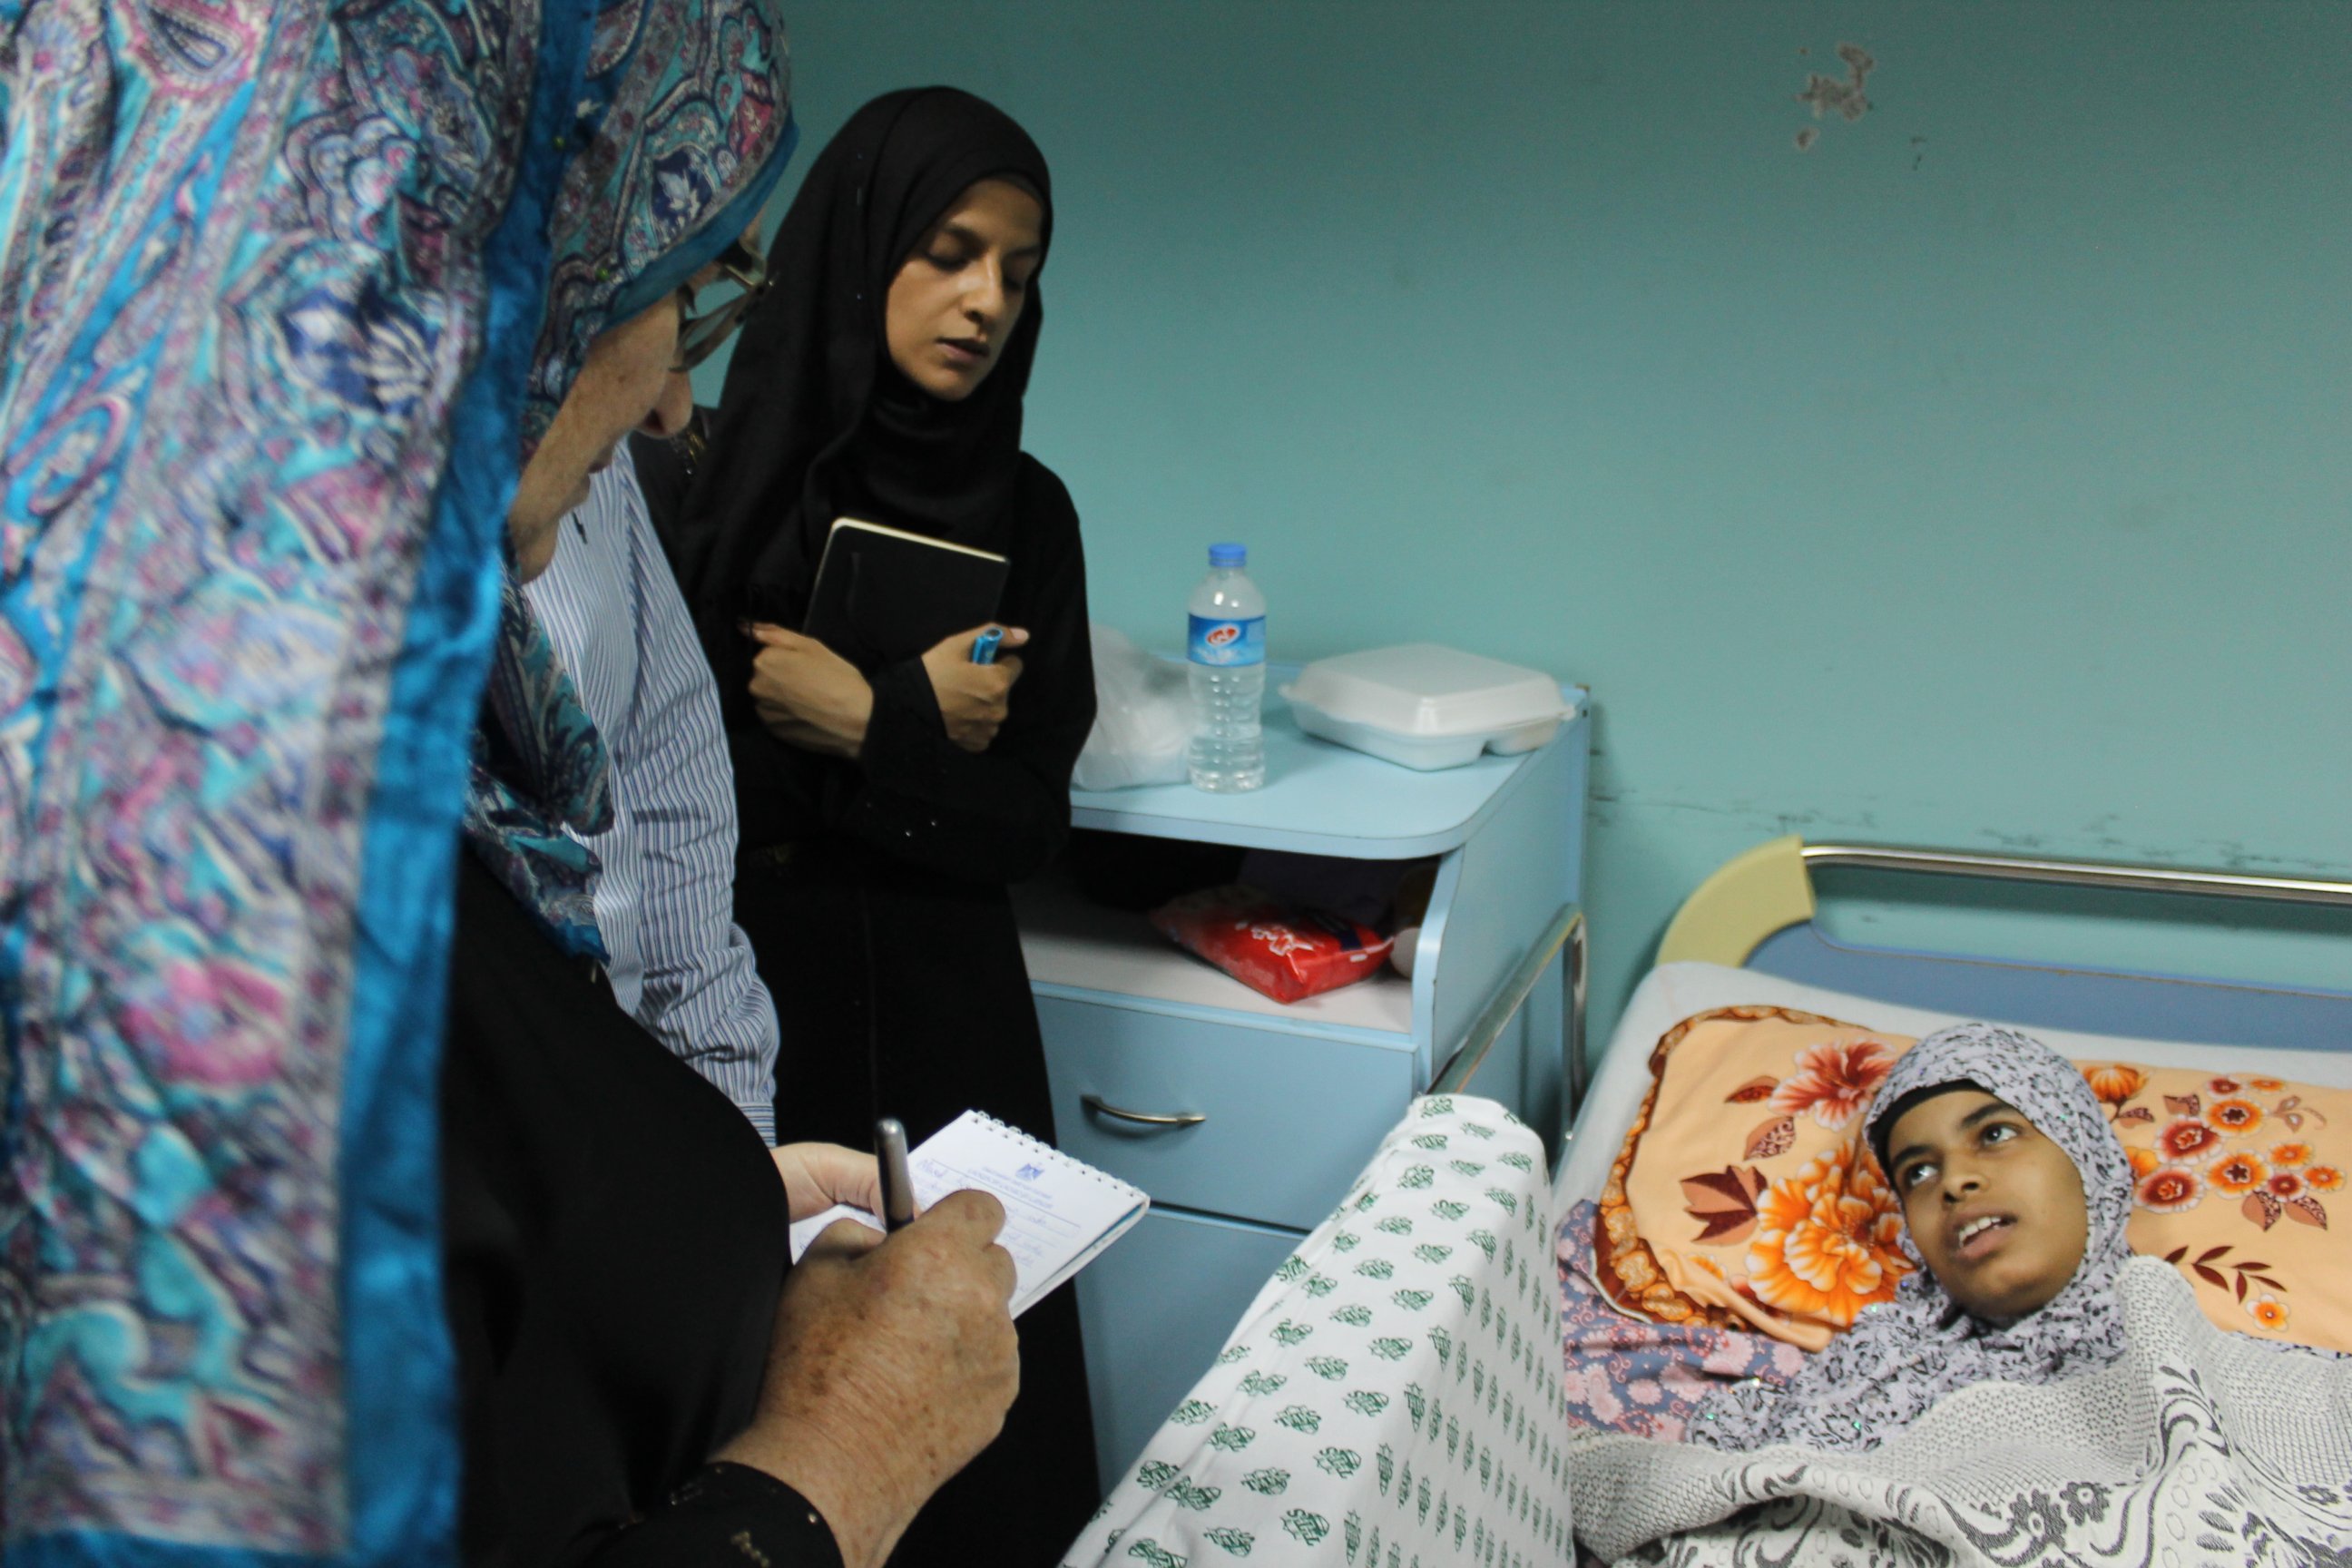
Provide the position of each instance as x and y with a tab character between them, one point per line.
915	796
614	1242
726	1515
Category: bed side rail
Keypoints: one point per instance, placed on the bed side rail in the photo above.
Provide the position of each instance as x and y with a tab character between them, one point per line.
1565	934
1769	887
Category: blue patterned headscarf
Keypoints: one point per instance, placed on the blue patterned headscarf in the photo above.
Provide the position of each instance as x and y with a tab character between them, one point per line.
538	778
275	323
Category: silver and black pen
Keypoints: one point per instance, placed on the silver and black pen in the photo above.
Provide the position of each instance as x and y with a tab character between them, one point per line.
898	1181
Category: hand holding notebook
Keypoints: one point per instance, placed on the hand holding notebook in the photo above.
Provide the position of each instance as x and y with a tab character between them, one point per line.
884	595
1060	1214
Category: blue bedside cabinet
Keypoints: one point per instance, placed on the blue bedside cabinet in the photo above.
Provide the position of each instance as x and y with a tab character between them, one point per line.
1245	1119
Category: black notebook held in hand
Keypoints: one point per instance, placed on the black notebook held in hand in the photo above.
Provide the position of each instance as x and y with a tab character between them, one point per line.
884	595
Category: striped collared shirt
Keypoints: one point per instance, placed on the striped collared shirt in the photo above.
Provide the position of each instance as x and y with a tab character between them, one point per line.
665	899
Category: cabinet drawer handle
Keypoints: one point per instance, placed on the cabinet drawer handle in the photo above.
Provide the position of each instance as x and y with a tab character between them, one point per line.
1095	1103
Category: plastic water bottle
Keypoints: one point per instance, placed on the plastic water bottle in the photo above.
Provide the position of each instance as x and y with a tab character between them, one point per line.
1226	648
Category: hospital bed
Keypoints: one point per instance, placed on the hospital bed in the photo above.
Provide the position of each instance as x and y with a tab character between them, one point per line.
1398	1392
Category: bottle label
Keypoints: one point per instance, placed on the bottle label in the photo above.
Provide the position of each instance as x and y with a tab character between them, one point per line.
1227	642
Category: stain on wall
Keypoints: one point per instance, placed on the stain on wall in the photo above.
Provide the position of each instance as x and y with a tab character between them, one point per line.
1846	97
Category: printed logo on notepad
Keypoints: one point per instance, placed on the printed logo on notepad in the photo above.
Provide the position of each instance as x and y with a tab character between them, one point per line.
1030	1172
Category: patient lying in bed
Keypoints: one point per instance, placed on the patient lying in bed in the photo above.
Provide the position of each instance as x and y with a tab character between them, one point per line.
2015	1197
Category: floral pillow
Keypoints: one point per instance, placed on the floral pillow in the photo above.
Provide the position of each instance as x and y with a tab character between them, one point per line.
2236	1177
1745	1196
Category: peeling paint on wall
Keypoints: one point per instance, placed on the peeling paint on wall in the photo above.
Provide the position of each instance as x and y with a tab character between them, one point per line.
1828	94
1846	97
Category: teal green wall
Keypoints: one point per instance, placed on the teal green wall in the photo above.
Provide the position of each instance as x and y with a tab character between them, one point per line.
1977	478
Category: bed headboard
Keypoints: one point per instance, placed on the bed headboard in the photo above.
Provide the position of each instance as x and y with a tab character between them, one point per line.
1759	911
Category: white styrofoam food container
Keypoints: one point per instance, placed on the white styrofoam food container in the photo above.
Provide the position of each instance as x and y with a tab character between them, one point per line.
1425	706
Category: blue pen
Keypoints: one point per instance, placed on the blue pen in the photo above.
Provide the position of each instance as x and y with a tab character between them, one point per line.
983	646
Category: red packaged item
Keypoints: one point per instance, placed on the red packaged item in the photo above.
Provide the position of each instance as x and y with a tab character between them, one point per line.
1272	948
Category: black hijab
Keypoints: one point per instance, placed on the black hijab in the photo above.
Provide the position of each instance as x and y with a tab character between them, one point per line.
816	422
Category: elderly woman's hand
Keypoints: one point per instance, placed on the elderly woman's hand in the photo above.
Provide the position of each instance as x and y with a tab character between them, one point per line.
892	1364
807	695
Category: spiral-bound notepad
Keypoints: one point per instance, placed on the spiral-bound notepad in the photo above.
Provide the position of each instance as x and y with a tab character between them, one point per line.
1059	1212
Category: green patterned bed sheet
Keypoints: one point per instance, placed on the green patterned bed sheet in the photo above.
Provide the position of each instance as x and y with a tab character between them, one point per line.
1393	1396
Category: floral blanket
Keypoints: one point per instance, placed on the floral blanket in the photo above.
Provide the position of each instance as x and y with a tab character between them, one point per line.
1624	1374
2197	1446
1392	1397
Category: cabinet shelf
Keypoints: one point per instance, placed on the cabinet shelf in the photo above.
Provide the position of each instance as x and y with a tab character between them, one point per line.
1087	951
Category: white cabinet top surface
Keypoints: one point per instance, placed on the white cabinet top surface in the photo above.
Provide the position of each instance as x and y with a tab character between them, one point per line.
1318	799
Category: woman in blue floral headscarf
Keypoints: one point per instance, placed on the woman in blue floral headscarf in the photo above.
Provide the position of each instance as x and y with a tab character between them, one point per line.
277	326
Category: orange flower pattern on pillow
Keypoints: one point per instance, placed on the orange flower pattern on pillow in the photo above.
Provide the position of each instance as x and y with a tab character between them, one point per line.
1834	1081
2258	1146
2117	1083
2170	1190
1827	1239
2236	1174
2186	1140
2234	1116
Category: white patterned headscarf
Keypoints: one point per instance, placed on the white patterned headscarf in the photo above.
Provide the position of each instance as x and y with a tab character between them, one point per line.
1903	1356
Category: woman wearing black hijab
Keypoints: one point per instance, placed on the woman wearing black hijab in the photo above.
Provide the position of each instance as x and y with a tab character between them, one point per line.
885	810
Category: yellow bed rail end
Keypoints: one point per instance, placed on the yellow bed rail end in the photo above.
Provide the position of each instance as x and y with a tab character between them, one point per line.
1749	898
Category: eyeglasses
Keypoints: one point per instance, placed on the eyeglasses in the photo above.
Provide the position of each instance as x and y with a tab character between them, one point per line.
700	331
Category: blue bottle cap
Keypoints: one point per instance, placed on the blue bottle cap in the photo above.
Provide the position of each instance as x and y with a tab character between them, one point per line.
1228	555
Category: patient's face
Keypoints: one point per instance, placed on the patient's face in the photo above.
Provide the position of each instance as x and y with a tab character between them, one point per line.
1995	1207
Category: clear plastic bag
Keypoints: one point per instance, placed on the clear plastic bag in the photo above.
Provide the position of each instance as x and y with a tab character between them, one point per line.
1143	717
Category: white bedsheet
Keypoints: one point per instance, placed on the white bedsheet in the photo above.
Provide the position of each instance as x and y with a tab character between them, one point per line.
1392	1395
